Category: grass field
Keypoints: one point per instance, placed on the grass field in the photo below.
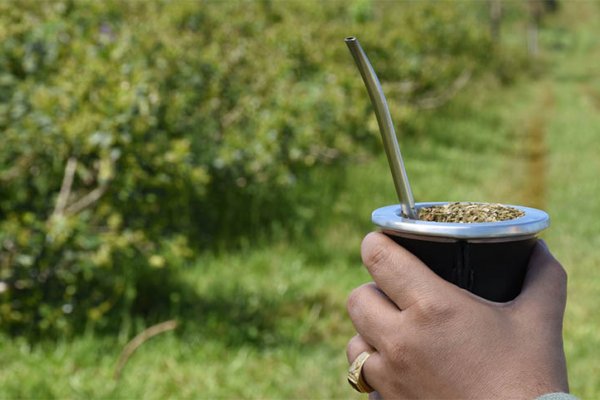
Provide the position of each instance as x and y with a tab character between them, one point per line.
269	320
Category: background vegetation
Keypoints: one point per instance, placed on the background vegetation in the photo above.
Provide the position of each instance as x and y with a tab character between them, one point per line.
138	133
217	164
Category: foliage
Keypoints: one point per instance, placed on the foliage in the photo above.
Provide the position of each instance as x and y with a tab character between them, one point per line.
136	133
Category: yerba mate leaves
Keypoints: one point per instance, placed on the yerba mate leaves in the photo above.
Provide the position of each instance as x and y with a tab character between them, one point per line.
469	213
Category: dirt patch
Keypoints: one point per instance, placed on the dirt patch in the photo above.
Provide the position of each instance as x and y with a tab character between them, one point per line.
536	155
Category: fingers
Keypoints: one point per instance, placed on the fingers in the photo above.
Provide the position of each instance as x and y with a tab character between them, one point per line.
357	345
373	369
398	273
374	316
545	286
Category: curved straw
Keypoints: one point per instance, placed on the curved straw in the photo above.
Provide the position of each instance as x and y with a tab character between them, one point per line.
388	134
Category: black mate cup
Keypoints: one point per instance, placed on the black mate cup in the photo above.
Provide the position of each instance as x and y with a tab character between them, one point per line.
488	259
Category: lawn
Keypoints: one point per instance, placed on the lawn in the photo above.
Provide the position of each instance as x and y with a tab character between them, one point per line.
268	320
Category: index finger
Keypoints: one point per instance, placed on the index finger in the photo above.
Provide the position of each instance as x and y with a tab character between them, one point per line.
399	273
545	286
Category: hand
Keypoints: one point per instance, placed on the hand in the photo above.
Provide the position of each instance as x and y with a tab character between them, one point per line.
431	339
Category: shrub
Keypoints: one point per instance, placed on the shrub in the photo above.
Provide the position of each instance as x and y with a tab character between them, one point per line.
136	133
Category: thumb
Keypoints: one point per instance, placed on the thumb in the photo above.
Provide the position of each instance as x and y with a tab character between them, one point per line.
400	274
545	286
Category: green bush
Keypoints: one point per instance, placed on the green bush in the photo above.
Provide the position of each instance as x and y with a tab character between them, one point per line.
136	133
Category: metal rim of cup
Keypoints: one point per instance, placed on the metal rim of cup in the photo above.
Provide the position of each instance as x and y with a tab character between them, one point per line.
390	219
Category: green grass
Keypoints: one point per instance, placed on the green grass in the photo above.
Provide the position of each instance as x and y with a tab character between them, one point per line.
269	320
574	189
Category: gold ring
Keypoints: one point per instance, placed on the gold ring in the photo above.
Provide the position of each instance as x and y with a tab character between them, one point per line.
355	378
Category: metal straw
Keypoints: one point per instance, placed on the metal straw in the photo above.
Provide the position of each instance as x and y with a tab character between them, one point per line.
388	134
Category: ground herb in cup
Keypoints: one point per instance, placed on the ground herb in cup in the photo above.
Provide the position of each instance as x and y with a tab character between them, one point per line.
466	213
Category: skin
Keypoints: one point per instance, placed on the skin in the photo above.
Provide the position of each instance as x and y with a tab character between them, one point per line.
431	339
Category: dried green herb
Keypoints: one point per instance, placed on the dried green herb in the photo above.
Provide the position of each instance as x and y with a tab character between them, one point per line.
469	213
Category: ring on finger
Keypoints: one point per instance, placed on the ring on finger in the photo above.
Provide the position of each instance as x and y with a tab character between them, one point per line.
355	377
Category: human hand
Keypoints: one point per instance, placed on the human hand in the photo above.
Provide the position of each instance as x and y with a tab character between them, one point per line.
431	339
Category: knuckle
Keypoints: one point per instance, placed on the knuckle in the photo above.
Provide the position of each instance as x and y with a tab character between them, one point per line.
355	299
376	256
431	311
351	348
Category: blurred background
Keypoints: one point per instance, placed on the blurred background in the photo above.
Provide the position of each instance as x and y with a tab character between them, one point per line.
204	172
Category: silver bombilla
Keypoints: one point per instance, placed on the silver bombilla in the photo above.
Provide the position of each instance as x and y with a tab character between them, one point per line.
388	134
